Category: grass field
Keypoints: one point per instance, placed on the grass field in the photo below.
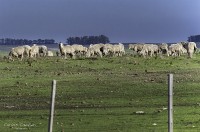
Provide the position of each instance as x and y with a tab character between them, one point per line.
99	94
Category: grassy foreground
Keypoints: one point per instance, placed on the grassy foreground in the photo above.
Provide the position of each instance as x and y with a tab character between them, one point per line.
99	95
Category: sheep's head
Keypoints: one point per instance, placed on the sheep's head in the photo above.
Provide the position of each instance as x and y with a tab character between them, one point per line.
13	53
31	54
61	44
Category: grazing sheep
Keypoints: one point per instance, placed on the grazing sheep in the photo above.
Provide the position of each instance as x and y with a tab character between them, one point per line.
107	49
34	51
92	51
191	48
149	49
80	49
176	49
27	49
163	49
38	50
154	49
42	50
136	47
95	49
49	53
58	53
118	49
96	45
131	46
17	52
183	51
66	50
114	50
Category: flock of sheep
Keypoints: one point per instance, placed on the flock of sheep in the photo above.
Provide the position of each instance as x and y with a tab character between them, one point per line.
100	50
94	50
29	51
173	50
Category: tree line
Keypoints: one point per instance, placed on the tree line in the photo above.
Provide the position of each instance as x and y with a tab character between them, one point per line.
10	41
194	38
85	40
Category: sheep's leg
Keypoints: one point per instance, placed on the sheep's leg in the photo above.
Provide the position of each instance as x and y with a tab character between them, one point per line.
21	57
65	55
190	55
73	56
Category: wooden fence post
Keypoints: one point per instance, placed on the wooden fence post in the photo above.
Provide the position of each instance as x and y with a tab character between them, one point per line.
53	93
170	103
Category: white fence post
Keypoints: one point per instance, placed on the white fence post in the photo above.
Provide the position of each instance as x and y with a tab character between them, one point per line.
53	93
170	103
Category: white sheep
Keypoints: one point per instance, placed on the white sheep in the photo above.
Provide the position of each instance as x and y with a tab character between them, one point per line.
136	47
163	49
118	49
176	49
94	49
191	47
107	49
17	52
50	53
27	49
149	49
43	50
34	51
80	49
66	50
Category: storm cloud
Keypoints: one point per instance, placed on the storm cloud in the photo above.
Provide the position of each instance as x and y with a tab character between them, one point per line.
120	20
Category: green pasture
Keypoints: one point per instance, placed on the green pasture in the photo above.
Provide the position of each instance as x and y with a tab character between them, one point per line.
99	94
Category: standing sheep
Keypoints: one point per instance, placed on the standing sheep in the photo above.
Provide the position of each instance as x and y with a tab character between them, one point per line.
17	52
107	49
79	49
136	47
118	49
27	49
94	49
176	49
191	47
163	49
66	50
149	49
43	50
34	52
49	53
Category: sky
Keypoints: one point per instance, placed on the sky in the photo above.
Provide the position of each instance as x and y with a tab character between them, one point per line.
142	21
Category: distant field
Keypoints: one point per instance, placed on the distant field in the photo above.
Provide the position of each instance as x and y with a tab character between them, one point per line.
99	94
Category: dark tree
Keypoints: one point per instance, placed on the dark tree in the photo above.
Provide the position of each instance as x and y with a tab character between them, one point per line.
10	41
85	40
195	38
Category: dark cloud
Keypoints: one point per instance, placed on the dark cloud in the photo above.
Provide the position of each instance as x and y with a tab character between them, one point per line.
121	20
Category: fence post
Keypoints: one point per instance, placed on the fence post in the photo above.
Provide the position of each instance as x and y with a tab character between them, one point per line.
53	93
170	103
